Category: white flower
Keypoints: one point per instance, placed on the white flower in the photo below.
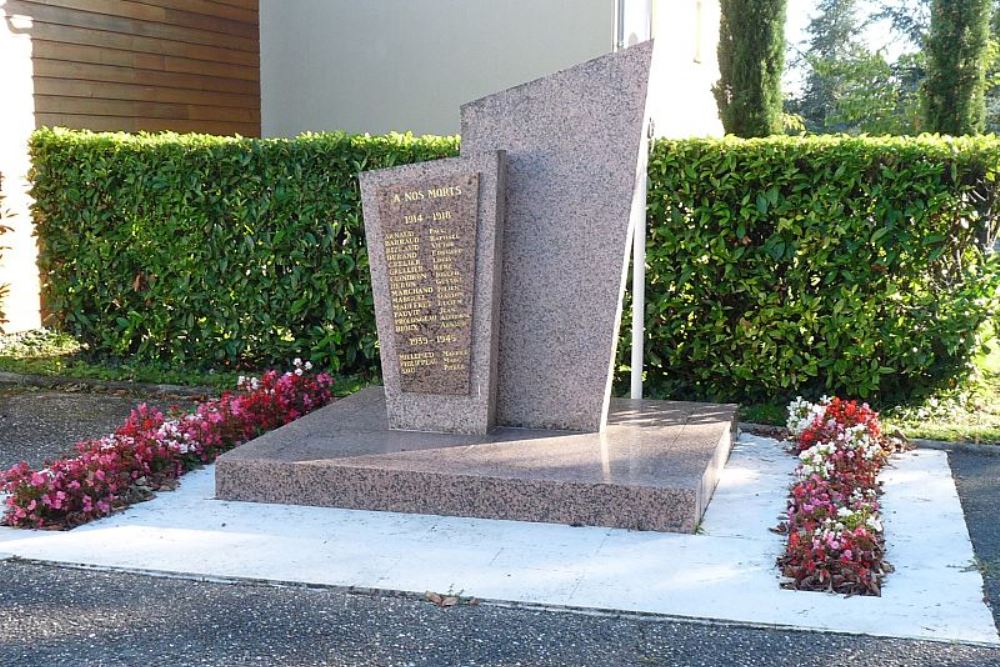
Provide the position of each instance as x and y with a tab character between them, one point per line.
308	366
298	371
297	363
816	460
802	414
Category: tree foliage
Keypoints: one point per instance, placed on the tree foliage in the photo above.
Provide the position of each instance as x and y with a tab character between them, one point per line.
751	61
849	87
852	86
909	19
956	48
832	42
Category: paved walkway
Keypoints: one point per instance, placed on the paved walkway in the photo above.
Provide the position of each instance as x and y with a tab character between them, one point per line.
55	616
725	573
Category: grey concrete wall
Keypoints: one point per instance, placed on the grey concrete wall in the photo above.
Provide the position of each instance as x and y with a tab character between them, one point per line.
381	65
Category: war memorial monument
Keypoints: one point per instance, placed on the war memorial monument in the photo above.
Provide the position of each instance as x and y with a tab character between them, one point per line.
498	279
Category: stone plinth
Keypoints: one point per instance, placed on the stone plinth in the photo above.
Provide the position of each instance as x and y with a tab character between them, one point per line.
654	467
433	236
576	144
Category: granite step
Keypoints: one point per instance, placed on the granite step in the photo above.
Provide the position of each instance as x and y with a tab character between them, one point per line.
654	467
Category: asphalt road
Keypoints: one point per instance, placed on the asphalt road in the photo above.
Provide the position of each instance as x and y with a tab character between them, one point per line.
55	617
978	481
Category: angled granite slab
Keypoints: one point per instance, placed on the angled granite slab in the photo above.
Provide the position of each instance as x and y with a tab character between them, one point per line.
576	144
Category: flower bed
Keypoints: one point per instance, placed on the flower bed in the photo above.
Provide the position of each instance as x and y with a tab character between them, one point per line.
835	534
151	450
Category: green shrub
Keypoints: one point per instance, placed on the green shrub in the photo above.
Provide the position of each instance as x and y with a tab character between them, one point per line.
849	265
212	251
776	265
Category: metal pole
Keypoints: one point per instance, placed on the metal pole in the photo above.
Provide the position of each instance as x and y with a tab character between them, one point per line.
619	25
639	285
639	240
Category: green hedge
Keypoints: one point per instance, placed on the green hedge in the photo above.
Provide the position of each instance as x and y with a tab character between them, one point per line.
775	265
855	265
212	251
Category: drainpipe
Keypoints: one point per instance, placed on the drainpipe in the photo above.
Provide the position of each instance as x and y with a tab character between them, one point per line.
619	25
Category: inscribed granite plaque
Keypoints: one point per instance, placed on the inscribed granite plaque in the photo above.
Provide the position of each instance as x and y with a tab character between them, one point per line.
429	237
433	231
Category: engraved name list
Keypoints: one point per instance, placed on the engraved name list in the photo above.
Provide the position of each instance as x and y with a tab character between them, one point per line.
429	236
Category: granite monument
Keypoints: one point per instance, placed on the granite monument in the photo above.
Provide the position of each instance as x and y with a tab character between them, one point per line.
498	279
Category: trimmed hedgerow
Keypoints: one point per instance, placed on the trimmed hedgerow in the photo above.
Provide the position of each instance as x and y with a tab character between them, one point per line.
824	264
776	266
212	251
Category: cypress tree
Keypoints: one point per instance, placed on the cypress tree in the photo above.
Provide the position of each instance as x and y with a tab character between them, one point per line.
751	61
956	49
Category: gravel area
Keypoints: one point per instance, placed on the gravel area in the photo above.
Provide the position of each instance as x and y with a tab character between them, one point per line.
978	479
52	617
40	424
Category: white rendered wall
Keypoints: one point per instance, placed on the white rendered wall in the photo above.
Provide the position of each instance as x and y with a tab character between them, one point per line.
17	120
381	65
686	34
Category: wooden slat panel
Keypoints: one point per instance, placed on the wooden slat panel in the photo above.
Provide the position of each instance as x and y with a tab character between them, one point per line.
124	91
123	124
61	69
46	13
208	8
149	12
250	5
104	107
114	40
97	55
129	65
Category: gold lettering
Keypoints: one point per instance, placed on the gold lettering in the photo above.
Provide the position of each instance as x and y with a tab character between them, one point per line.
445	191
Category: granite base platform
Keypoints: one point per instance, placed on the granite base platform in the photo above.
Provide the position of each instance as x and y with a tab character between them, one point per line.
655	466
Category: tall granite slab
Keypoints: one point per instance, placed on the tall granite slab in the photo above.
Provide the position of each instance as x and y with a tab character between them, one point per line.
576	146
434	246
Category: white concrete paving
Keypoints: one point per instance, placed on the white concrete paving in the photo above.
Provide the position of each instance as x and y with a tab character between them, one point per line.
725	573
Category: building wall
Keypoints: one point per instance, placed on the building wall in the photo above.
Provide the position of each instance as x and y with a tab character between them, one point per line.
183	65
687	35
384	65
